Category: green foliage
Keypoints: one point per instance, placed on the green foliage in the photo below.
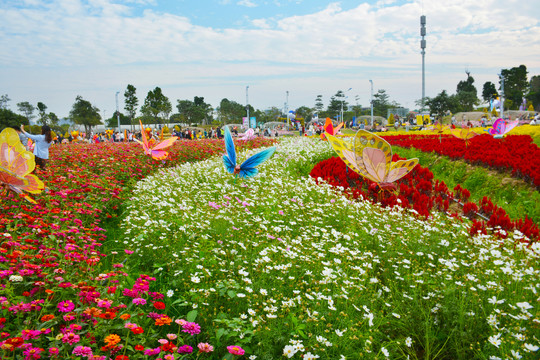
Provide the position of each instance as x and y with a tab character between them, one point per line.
230	112
156	105
194	112
489	91
515	85
130	102
9	119
84	113
466	94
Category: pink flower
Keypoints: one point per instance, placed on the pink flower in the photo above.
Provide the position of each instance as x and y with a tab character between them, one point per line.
171	336
191	328
235	350
66	306
205	347
84	351
139	301
129	252
71	338
32	353
185	349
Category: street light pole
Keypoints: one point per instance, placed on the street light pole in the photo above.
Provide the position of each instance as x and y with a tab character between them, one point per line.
501	77
117	114
247	106
342	102
371	81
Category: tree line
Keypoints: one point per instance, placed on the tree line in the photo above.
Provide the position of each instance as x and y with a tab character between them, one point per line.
158	109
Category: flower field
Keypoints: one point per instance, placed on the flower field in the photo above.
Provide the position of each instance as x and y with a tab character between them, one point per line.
277	266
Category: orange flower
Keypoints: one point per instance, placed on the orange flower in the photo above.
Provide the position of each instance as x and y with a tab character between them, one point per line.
49	291
112	340
164	320
125	316
45	318
94	312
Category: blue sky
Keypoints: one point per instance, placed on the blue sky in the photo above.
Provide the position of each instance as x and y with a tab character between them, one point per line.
54	50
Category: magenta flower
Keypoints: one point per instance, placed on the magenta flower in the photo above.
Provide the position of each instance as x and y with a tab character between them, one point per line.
191	328
66	306
150	352
235	350
139	301
185	349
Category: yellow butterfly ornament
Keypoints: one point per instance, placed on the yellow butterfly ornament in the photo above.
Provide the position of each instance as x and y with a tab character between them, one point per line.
16	164
371	157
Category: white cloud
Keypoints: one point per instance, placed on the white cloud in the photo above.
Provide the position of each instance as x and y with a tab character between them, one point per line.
101	44
246	3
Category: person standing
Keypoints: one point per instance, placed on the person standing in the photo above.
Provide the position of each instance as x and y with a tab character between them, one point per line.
42	144
22	137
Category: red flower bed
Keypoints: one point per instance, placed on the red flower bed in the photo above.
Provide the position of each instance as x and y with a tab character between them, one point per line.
419	191
515	153
53	282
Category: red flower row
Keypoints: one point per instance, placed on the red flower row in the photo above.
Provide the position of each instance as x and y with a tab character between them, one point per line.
513	153
419	191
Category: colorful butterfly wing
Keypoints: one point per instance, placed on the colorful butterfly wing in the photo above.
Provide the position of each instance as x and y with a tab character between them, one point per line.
510	126
247	169
498	127
329	126
229	159
165	144
375	163
143	135
336	129
345	151
159	154
229	146
16	163
364	139
399	169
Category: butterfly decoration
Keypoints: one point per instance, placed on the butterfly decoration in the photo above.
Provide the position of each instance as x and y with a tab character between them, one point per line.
16	165
30	145
329	128
248	135
465	133
247	169
501	128
438	128
371	157
155	150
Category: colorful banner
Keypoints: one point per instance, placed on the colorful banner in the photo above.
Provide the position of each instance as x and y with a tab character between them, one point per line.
245	122
253	122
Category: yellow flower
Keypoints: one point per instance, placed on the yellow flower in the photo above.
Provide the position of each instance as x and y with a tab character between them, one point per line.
112	340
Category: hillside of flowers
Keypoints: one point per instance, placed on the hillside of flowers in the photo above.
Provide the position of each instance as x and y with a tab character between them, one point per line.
61	296
513	153
285	266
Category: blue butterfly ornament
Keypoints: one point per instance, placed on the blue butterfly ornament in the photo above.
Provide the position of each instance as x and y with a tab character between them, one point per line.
247	169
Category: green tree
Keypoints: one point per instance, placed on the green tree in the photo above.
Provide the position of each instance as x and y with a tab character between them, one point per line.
84	113
466	94
156	104
27	109
9	119
112	122
319	105
130	103
489	91
304	112
440	104
381	103
230	112
337	102
515	85
42	110
4	100
534	92
53	120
